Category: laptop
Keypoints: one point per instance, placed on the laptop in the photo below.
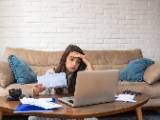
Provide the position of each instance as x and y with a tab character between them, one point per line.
93	87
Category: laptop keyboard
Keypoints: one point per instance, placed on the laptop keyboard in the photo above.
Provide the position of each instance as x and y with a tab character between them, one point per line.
68	99
71	101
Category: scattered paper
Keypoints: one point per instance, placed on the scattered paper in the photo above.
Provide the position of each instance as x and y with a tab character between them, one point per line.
53	80
45	103
125	98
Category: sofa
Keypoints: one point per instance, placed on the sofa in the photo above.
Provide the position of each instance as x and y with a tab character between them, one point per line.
40	61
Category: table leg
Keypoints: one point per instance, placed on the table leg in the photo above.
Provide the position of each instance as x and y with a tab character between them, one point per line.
139	113
1	115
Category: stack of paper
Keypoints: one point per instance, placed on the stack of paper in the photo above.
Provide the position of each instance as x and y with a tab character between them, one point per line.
32	105
125	98
45	103
53	80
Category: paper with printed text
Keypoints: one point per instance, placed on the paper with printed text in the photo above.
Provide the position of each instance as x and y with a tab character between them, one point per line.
53	80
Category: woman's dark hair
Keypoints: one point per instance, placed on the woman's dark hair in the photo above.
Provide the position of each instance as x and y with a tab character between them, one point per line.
71	48
71	80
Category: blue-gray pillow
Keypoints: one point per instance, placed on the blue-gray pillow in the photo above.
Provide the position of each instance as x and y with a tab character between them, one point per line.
22	72
134	71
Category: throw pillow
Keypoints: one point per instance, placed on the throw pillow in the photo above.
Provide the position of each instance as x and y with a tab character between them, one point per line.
134	71
22	72
152	74
6	76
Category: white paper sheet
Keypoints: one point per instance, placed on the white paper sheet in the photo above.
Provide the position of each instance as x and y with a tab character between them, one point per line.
41	102
125	98
53	80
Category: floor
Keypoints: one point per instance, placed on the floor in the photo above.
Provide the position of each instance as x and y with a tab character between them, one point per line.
17	117
147	115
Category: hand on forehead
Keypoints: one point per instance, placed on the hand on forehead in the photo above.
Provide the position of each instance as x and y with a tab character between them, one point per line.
76	54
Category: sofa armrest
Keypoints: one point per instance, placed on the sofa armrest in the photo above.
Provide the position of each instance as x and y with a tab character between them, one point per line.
152	73
6	76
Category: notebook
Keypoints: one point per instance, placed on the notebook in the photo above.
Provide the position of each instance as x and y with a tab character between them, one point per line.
93	87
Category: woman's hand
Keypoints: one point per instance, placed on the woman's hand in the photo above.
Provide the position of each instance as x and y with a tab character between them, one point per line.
38	89
85	59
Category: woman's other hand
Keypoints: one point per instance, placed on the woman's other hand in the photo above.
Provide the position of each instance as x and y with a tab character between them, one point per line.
38	89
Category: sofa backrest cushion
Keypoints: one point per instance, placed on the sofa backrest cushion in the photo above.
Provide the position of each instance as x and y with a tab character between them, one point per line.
22	72
101	59
152	73
134	71
112	59
6	76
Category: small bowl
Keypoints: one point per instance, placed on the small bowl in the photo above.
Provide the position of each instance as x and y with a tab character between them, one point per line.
15	93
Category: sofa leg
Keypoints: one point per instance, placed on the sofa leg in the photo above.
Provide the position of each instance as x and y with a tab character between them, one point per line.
139	113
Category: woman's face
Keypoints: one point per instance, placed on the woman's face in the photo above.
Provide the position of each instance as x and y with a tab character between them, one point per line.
72	62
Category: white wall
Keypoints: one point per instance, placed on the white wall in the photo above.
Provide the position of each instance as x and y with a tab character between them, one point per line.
91	24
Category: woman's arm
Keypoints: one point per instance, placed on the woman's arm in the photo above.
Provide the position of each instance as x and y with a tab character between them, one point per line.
38	89
87	62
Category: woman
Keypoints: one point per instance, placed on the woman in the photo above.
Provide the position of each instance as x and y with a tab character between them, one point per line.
72	61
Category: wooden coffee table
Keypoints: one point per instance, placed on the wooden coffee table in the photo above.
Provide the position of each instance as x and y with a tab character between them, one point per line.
99	110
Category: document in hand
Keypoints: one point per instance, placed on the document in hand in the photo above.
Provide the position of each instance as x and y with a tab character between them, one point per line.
53	80
37	105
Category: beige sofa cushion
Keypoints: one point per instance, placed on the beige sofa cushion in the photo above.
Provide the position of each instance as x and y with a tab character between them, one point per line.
26	88
152	74
100	59
50	58
41	70
150	90
34	57
6	76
